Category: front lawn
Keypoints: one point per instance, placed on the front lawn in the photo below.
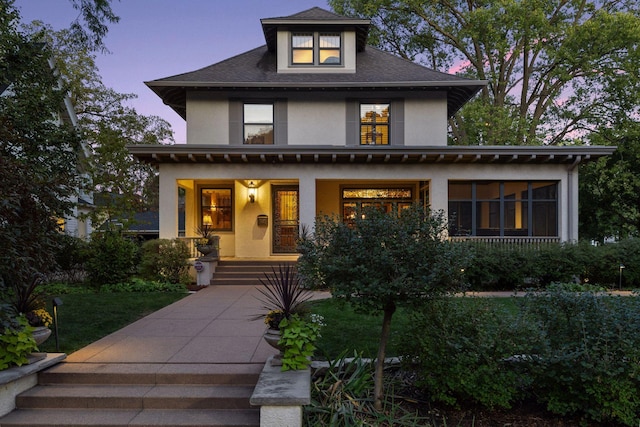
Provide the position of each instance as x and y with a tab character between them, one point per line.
85	318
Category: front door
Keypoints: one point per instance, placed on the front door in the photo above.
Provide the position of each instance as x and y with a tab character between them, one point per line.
285	218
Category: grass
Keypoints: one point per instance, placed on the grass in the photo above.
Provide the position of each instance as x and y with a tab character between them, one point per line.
347	330
85	318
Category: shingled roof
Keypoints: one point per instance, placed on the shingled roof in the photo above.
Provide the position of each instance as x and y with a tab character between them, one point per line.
257	69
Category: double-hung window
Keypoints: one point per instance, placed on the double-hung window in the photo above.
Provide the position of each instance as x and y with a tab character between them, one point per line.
315	48
374	124
258	123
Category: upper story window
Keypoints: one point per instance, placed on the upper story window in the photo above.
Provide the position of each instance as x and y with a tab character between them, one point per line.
374	124
316	49
258	123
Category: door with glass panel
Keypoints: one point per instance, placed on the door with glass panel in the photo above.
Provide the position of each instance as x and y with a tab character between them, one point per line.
286	219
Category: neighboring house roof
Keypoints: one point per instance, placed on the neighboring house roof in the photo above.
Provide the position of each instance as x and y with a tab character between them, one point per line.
257	68
145	223
196	153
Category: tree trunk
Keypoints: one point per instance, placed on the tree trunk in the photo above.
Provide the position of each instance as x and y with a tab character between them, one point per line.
382	348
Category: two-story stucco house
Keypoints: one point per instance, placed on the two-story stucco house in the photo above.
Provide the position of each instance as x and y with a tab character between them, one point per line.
316	122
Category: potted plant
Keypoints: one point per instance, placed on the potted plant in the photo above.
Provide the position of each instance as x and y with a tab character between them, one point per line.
27	299
208	244
288	328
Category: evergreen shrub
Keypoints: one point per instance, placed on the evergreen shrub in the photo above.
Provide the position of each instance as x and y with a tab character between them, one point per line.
111	258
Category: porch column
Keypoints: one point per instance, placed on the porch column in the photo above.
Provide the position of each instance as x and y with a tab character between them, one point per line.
190	214
572	206
168	206
439	194
307	195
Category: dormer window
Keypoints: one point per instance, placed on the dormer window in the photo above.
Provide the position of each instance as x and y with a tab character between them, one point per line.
316	49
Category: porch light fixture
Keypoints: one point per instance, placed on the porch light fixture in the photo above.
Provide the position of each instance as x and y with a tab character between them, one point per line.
252	192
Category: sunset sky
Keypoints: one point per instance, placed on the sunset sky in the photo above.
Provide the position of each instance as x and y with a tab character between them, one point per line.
161	38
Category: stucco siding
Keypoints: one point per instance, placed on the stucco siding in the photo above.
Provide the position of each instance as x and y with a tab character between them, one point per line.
316	122
425	121
207	119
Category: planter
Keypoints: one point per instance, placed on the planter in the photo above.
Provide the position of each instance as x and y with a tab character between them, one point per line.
40	334
211	249
272	337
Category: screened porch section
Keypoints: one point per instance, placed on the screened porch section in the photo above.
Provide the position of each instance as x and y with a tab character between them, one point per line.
505	209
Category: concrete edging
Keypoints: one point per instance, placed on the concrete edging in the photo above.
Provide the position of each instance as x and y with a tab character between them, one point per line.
14	381
281	395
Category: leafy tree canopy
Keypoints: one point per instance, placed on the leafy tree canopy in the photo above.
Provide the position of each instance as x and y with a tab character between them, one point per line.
554	68
108	124
37	153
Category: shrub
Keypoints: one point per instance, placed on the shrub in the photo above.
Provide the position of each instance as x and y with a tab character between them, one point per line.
140	285
587	355
165	260
70	259
495	267
464	354
111	258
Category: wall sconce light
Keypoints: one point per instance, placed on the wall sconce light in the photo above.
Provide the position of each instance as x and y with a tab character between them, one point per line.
252	192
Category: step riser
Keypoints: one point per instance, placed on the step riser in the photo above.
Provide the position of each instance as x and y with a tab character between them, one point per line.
129	402
52	378
131	417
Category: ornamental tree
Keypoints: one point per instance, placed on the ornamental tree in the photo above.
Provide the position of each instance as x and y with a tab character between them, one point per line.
382	260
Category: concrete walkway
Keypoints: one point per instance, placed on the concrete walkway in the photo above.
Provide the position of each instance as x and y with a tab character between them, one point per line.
211	326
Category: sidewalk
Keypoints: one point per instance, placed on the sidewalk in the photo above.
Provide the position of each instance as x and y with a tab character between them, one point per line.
211	326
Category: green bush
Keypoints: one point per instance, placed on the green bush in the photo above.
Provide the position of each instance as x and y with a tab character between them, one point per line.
578	354
460	350
495	267
507	267
70	258
165	260
140	285
587	356
111	258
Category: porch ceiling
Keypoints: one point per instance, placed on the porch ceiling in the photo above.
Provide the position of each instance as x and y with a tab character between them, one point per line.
192	153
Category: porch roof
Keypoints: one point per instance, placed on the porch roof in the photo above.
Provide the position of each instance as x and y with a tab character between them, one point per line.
198	153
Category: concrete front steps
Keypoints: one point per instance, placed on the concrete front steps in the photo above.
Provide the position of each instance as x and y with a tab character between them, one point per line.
245	272
151	395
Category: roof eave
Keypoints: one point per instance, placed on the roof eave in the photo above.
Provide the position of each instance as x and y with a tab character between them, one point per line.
211	154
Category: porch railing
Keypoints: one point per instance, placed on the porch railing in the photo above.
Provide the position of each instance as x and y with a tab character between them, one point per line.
509	242
191	244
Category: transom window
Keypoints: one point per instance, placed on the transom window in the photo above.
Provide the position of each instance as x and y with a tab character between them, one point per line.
354	200
258	124
316	49
503	208
216	208
374	124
